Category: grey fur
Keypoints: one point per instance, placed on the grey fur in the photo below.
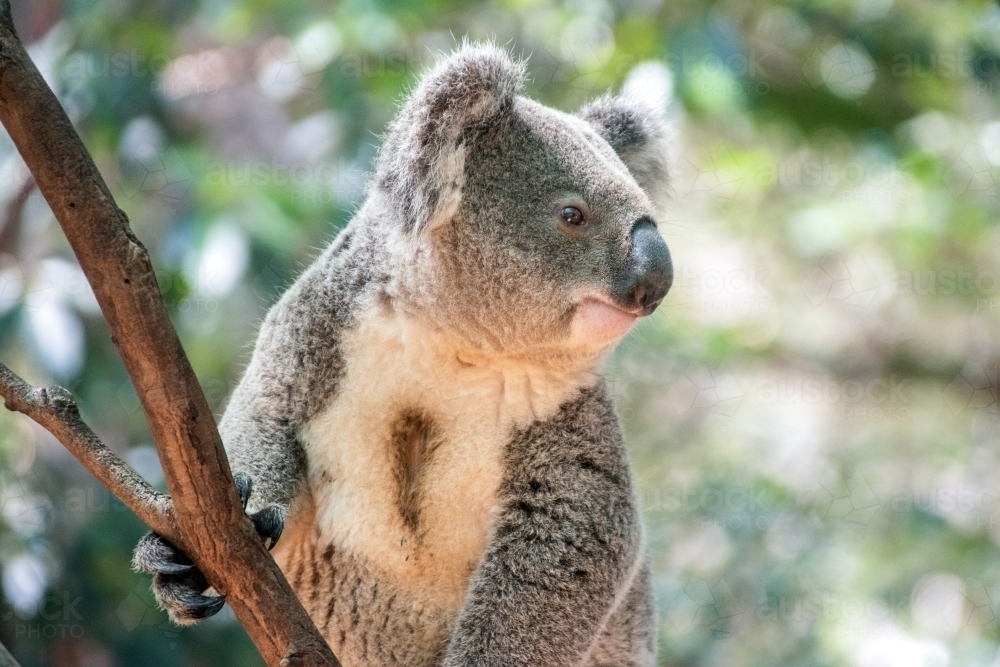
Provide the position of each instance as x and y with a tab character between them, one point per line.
296	366
564	547
458	231
639	135
465	94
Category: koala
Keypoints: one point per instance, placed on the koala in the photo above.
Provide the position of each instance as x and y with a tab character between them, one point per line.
422	433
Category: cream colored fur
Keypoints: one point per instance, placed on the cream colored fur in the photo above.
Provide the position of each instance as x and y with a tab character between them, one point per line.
396	363
451	173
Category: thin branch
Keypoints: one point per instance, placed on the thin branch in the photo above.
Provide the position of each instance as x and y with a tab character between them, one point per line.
54	409
6	659
14	214
213	528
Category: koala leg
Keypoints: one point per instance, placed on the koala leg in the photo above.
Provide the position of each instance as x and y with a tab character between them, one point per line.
178	585
629	637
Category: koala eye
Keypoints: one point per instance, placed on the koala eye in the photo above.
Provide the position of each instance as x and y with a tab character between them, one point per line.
571	215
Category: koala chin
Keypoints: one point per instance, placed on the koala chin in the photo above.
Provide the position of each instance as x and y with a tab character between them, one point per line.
601	322
422	433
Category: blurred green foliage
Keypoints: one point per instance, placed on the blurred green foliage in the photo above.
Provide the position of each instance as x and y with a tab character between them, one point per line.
813	413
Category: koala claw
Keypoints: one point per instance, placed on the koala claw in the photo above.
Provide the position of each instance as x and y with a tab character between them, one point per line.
181	595
178	584
269	521
244	485
155	555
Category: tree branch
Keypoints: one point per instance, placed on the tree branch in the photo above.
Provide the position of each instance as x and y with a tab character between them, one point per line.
54	409
212	526
14	214
6	659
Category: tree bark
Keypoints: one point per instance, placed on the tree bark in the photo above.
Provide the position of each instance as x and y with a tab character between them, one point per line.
6	659
203	515
54	409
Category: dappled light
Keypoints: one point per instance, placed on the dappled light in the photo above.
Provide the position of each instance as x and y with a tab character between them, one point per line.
813	413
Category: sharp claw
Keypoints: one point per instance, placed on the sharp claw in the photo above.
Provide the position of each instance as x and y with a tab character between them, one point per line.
177	583
244	485
269	523
173	568
182	596
203	606
155	555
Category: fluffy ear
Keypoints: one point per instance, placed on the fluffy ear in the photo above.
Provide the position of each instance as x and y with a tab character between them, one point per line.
640	135
422	162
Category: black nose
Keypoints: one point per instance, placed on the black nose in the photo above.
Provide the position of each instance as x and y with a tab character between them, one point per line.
650	273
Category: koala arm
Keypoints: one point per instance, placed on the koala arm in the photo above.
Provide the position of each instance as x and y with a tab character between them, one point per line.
259	427
565	549
295	368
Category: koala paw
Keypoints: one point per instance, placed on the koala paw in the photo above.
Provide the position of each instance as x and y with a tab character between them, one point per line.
179	586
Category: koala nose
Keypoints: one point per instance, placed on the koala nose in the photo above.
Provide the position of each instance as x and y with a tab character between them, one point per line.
650	274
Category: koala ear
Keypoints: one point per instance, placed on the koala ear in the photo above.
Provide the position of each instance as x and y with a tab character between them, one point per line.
640	135
422	162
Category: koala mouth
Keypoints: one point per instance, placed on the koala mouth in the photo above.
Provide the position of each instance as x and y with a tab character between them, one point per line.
602	320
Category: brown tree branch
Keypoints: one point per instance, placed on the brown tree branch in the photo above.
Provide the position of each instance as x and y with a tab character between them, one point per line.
212	527
14	215
6	659
54	409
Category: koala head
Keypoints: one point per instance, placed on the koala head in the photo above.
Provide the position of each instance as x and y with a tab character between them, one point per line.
517	227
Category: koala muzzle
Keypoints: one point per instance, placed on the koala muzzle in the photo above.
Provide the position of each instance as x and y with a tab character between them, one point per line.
649	273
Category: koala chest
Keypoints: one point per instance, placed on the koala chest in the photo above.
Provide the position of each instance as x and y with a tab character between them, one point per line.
406	461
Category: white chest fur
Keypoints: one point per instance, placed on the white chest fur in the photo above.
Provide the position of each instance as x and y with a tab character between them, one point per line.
429	538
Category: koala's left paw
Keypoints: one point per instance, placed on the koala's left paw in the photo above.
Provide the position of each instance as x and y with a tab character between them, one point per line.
178	585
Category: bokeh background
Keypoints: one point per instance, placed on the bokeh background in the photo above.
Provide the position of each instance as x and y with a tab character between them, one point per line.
812	414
